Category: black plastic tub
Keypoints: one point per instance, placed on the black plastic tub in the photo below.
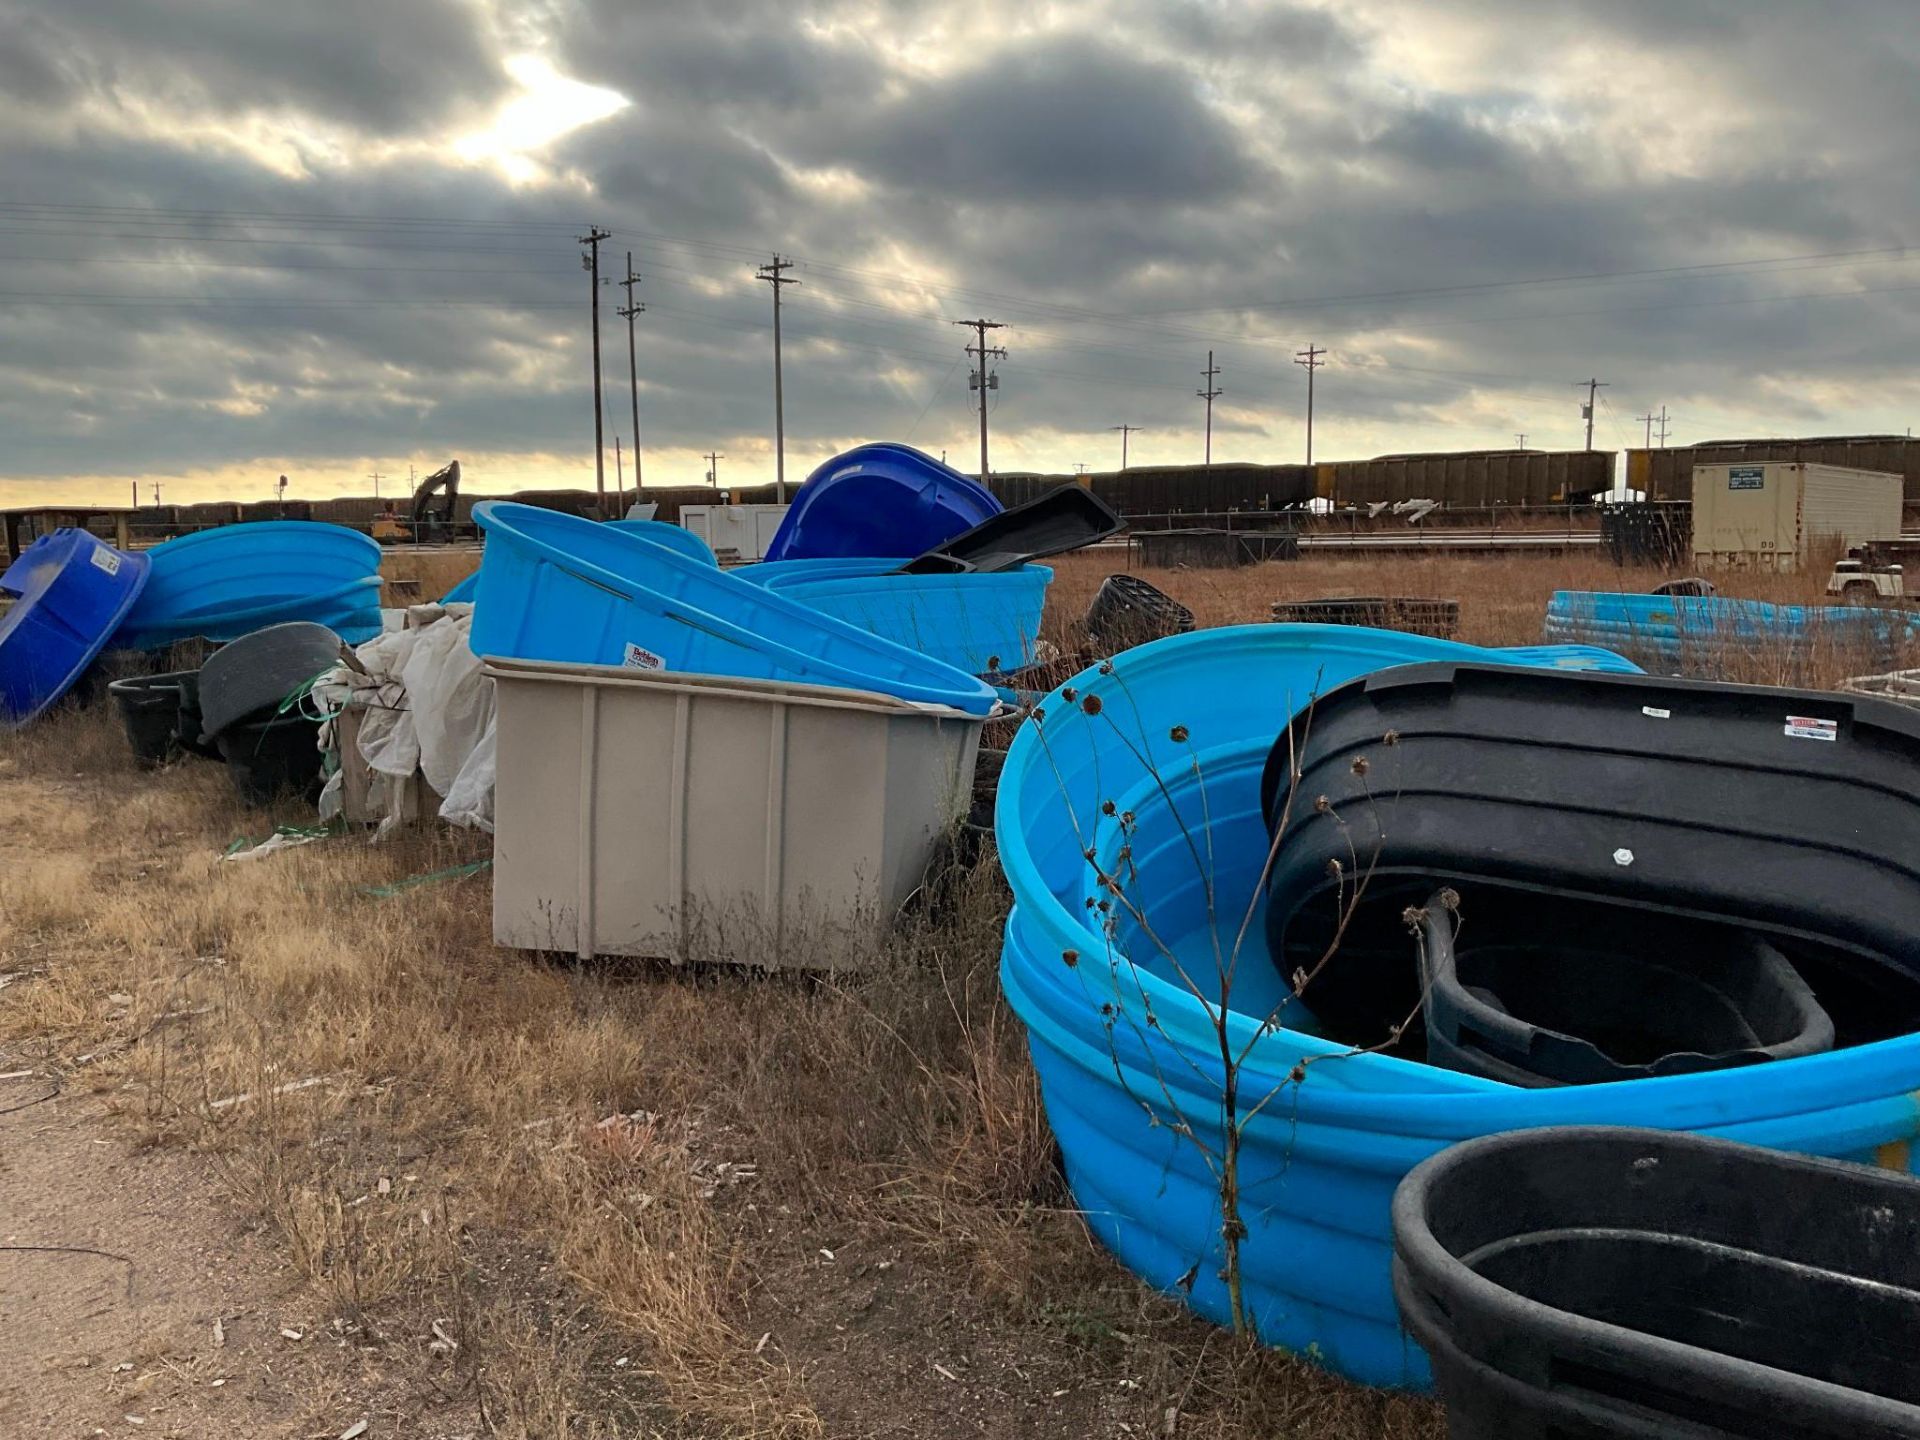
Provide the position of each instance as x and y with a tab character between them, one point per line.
1795	814
1127	611
150	708
1065	518
273	759
1600	1282
1542	993
255	675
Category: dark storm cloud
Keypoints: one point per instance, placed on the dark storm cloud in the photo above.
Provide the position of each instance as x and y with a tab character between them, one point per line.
1071	122
1127	186
736	56
369	64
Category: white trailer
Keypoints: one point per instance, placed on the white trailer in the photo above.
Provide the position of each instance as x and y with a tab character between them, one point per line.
1775	516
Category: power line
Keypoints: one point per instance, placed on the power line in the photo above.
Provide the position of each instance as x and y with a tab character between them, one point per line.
983	379
775	275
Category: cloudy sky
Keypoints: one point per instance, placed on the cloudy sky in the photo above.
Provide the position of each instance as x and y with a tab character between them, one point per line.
240	238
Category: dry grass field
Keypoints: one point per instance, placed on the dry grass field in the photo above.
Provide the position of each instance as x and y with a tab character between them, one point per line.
506	1195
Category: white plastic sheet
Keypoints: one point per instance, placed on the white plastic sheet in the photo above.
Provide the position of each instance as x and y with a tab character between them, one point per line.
426	706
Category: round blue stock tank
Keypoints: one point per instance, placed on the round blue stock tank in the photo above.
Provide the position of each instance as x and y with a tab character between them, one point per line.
880	500
984	624
556	587
1129	1062
71	591
227	582
351	611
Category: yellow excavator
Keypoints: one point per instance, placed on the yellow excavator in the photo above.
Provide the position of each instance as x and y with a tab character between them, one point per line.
426	522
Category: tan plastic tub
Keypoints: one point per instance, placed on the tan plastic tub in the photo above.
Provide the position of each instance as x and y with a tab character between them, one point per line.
696	817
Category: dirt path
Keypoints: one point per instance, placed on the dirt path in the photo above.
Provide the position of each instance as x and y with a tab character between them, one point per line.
124	1341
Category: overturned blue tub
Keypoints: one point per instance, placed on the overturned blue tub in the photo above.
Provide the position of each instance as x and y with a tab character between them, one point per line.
556	587
880	499
227	582
1116	987
69	592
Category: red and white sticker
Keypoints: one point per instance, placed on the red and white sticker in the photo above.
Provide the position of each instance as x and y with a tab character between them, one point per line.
638	657
1805	727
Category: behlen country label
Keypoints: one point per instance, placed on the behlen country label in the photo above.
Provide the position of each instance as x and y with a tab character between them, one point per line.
1805	727
105	559
638	657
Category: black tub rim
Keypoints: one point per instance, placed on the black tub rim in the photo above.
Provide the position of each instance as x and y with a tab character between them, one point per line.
1439	960
1425	1261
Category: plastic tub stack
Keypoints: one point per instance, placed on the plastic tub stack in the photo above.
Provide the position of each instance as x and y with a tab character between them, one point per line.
1692	633
1464	892
751	766
246	707
228	582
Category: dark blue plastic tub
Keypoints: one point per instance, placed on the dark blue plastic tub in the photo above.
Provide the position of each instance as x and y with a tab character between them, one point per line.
880	500
556	587
72	592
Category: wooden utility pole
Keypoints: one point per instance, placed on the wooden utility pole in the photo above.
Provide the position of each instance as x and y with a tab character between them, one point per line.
774	274
1125	431
591	262
713	468
1210	393
629	310
983	379
1594	387
1311	359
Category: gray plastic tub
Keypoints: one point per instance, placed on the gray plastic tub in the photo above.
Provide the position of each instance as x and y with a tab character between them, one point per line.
710	818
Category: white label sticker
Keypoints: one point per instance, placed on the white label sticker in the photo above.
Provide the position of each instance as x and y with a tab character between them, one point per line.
1802	727
1654	712
638	657
107	560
